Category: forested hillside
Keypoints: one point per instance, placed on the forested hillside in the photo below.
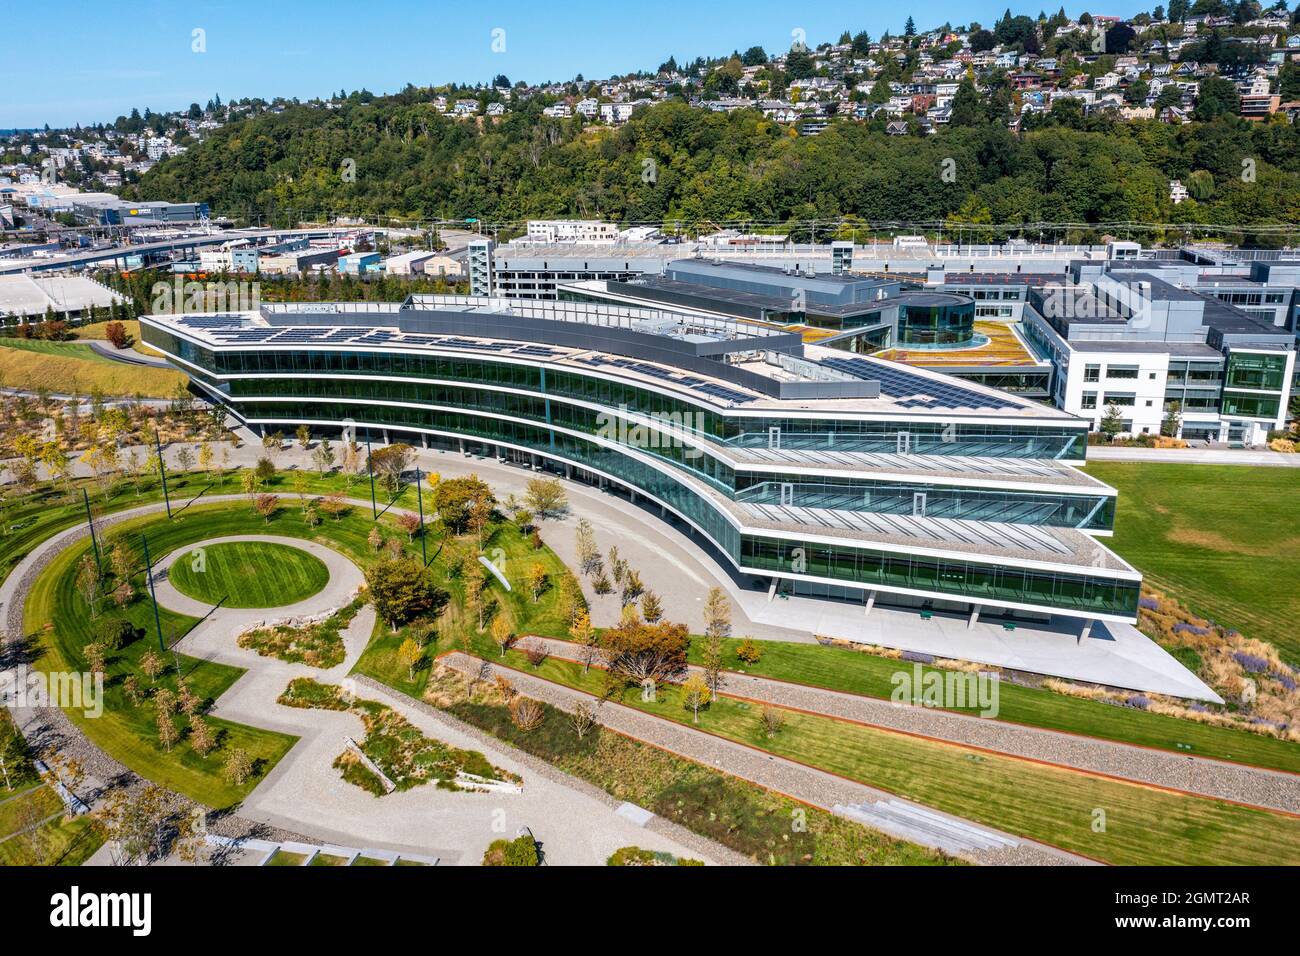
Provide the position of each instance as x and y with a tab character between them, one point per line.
675	162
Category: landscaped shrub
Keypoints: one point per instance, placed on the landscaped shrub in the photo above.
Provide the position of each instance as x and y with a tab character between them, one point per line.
521	851
749	651
636	856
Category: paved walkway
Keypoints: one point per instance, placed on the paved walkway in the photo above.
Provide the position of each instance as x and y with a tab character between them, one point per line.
304	793
1195	456
807	784
673	564
1201	776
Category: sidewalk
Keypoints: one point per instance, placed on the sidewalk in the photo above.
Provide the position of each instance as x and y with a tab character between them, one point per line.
1194	456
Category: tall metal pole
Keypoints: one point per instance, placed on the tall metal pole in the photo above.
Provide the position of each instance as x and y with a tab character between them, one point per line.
162	470
419	497
90	523
153	595
370	470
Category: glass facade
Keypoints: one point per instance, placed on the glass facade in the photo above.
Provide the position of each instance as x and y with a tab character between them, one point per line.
941	324
330	387
1089	512
1255	371
966	578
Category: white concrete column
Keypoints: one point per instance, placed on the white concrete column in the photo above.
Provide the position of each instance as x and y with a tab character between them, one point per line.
771	592
870	603
1086	631
974	616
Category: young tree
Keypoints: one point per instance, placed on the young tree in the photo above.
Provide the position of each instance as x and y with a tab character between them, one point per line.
266	506
695	692
410	654
502	635
475	600
400	589
588	555
153	665
582	719
238	768
1112	423
581	632
717	613
545	496
651	608
303	434
88	581
390	463
410	523
632	587
201	737
535	579
1173	421
323	457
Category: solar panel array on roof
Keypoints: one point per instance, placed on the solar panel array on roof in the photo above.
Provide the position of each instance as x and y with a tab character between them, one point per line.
691	382
212	321
915	391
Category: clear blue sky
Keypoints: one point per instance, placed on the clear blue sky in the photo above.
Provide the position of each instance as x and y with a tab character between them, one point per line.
85	62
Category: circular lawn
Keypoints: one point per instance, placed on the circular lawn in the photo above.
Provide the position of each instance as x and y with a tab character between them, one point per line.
248	574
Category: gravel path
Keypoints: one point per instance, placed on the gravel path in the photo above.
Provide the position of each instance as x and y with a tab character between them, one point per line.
1209	778
806	784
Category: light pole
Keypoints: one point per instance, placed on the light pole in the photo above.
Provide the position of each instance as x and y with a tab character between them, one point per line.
90	523
419	497
153	595
162	470
370	470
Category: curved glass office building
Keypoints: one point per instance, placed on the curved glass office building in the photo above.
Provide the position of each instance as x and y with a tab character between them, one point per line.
807	471
936	319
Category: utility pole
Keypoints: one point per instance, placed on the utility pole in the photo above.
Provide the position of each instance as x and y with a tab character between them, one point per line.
90	523
153	595
370	470
419	497
162	470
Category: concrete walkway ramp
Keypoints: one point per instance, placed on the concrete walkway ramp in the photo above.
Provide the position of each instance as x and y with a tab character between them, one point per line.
925	827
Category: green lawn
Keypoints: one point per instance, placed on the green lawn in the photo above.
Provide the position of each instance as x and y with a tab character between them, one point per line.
856	672
59	615
76	350
249	574
1143	826
1219	538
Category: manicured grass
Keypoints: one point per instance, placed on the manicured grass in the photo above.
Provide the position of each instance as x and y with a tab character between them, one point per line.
856	672
249	574
73	350
369	861
285	858
76	369
32	518
62	842
39	802
1217	537
324	859
1143	825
